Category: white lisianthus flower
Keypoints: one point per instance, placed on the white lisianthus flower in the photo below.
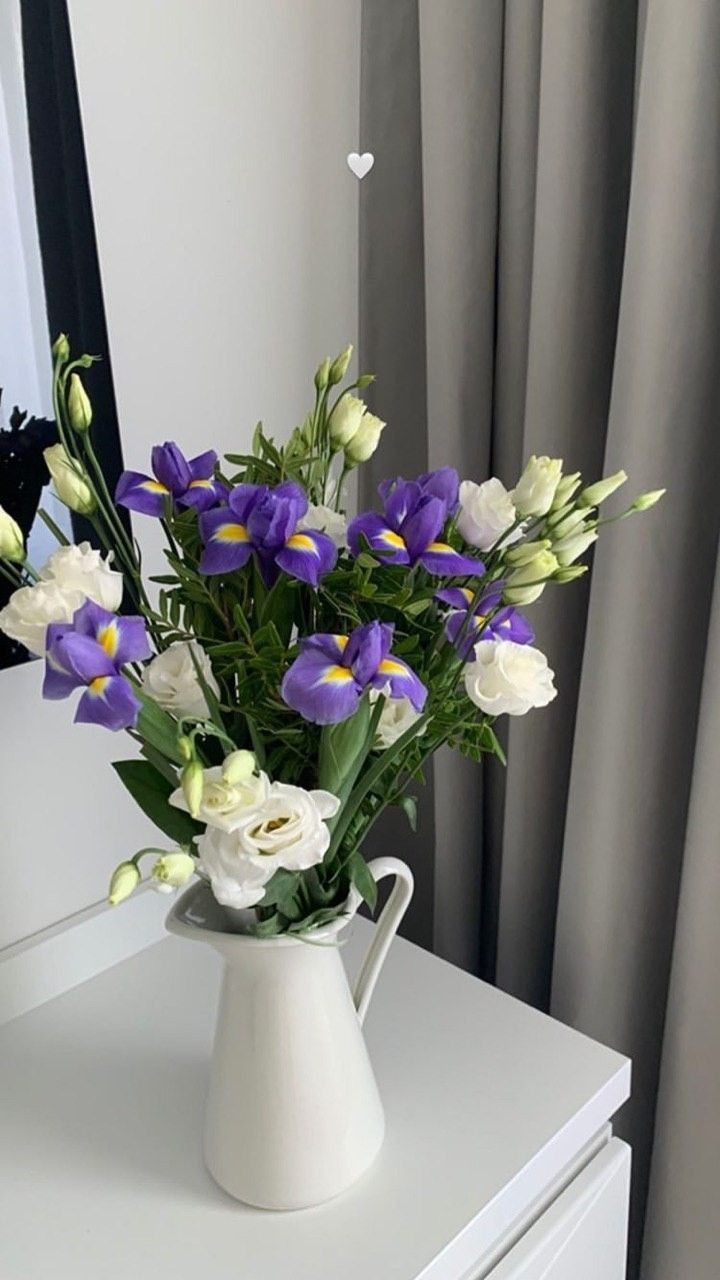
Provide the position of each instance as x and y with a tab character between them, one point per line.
345	419
486	511
325	520
237	880
508	679
171	679
365	440
535	490
288	830
397	716
30	610
224	804
82	568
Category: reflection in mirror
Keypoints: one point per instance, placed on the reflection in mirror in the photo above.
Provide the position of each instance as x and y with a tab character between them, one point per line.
48	266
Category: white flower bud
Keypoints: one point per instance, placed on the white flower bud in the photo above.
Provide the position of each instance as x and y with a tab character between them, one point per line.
365	440
569	524
569	549
645	501
339	366
238	767
125	879
345	420
72	483
598	492
172	871
526	583
192	786
322	373
566	488
78	405
12	546
570	574
527	551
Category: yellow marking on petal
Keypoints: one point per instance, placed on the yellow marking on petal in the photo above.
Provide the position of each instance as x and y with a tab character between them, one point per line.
441	548
468	594
341	641
479	620
301	542
108	638
393	539
98	685
153	486
230	533
391	667
200	484
336	675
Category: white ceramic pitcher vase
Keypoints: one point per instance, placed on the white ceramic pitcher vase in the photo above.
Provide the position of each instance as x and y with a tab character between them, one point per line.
293	1114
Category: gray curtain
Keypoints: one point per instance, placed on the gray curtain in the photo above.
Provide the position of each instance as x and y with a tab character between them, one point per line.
540	272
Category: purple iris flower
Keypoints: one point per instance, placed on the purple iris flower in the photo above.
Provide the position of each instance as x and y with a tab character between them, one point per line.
189	483
443	483
89	651
265	521
506	624
326	682
408	531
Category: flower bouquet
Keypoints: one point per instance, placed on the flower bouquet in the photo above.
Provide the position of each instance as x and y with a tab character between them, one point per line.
289	675
284	681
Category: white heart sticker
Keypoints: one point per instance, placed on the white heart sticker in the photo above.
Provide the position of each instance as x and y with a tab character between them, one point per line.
360	165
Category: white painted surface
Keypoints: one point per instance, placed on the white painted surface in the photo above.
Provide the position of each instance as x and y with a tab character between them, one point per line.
226	217
53	961
584	1234
487	1102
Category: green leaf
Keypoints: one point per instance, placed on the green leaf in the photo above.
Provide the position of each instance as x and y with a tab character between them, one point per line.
281	888
343	748
408	804
361	877
158	728
150	791
270	927
493	743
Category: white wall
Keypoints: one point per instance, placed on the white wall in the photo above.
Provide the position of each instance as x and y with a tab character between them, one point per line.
216	136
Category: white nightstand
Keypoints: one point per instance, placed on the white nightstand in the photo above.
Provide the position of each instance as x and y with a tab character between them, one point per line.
499	1159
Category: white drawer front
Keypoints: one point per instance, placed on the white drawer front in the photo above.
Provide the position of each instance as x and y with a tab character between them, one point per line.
583	1235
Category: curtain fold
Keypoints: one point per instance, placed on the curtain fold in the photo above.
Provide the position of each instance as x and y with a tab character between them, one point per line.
540	249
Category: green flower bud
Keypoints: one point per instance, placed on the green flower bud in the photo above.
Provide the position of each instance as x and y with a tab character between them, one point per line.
61	348
78	405
125	879
645	501
598	492
322	374
365	380
185	747
565	490
569	549
572	572
238	767
526	583
339	366
192	786
71	480
569	524
12	546
526	551
172	871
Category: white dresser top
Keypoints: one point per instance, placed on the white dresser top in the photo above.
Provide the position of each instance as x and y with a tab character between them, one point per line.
101	1092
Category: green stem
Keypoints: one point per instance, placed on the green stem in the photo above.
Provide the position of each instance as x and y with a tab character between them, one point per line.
54	528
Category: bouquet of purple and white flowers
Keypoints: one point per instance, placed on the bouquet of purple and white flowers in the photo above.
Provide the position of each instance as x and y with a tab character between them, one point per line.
289	675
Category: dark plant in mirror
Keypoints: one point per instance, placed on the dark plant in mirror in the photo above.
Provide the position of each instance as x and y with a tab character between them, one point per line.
23	475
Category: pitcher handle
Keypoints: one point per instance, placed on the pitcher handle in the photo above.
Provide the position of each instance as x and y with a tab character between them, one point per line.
385	929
